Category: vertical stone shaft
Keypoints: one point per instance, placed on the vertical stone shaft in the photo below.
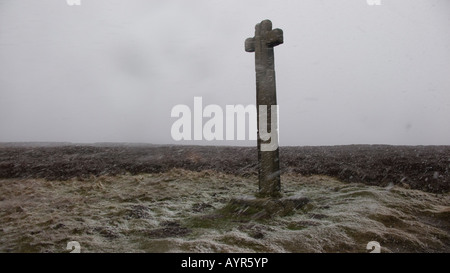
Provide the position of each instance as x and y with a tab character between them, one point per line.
262	44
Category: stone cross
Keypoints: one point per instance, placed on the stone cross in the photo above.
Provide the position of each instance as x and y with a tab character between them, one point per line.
268	159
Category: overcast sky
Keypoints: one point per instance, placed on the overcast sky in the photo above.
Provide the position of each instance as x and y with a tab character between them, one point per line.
111	71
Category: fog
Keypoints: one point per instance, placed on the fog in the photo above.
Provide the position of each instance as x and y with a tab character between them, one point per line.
111	71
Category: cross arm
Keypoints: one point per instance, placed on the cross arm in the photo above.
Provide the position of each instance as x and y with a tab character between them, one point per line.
275	37
250	45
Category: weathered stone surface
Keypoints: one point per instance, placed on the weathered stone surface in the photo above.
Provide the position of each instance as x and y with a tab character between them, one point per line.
262	44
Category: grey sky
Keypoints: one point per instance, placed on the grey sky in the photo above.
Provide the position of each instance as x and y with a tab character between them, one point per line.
348	73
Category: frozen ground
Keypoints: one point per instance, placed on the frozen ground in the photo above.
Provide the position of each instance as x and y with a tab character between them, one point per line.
186	211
